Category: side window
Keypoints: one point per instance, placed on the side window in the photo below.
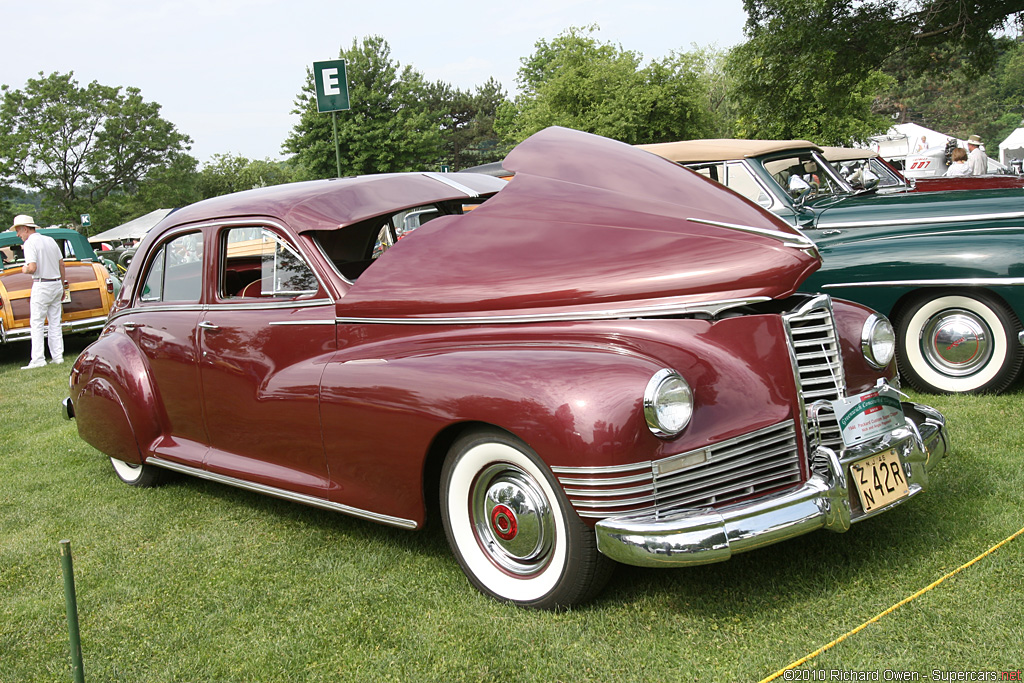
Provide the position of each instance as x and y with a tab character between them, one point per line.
258	263
176	272
740	180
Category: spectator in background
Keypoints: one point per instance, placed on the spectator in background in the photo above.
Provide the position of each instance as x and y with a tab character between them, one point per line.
44	262
959	165
977	160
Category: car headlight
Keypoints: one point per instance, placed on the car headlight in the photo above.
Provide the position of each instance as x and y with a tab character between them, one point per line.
878	341
668	403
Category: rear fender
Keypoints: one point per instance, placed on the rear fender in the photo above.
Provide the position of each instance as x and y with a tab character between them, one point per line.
116	408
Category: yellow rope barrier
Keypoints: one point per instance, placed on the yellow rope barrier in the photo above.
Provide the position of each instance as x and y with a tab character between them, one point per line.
899	604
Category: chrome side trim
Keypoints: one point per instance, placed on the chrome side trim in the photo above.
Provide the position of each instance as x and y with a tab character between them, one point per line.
453	183
711	308
283	494
800	241
952	282
930	220
270	305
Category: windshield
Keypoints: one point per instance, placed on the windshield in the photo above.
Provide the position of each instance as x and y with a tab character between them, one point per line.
806	176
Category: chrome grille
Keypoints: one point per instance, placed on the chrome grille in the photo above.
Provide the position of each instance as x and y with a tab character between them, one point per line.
753	463
819	367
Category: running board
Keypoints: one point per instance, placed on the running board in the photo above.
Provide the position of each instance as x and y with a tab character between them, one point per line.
302	498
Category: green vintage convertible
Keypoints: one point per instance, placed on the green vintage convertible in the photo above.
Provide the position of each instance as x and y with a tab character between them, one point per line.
946	267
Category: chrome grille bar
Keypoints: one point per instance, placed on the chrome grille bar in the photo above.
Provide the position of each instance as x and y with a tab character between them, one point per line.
762	460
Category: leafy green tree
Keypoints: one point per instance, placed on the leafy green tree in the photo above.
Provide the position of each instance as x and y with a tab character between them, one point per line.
77	146
389	127
226	173
167	187
580	82
466	121
811	68
802	75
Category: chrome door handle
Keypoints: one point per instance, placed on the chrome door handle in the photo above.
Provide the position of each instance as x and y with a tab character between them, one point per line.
131	325
207	325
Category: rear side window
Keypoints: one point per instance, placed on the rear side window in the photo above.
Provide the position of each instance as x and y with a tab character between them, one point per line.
258	263
176	272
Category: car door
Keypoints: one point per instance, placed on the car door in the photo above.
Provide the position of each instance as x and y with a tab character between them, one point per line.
162	324
264	338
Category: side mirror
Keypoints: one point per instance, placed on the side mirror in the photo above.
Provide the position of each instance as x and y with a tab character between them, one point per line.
798	187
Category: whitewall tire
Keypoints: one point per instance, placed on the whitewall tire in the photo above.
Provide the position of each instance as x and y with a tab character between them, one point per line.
134	474
955	343
511	527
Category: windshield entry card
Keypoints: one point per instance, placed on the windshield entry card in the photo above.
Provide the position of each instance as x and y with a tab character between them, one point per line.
868	415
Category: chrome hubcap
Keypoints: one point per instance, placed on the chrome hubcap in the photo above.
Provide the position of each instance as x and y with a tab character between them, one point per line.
957	342
512	519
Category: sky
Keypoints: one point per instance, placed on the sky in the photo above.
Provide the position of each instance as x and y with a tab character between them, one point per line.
226	72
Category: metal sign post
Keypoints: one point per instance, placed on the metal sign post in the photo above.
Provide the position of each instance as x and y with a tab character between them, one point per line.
331	79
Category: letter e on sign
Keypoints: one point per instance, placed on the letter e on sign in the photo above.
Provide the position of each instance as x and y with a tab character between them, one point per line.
331	81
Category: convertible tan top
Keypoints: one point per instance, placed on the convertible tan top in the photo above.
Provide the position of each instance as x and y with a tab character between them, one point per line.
848	153
691	151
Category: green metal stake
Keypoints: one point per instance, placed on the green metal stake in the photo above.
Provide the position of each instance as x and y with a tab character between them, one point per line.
71	606
337	152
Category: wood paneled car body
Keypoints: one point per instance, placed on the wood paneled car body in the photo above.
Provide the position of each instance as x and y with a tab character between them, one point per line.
92	286
588	367
946	267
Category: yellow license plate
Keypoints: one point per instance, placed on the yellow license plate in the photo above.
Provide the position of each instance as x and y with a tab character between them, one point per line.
879	480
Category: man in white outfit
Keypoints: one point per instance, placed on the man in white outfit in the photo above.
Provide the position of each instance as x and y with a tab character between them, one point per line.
44	262
977	159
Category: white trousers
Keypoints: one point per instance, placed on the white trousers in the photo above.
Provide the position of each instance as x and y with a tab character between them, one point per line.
45	307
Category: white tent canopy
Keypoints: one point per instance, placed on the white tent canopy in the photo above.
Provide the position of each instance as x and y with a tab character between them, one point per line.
905	139
132	230
1012	147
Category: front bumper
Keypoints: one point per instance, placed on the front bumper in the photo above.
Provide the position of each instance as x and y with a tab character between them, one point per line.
702	536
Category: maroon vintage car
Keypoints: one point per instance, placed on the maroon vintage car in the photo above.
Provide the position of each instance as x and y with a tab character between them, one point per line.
606	360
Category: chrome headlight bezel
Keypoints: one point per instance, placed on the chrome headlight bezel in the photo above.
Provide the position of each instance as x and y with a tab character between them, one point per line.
878	341
668	404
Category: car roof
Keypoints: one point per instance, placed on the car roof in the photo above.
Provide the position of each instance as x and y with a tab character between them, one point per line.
338	202
9	237
848	153
693	151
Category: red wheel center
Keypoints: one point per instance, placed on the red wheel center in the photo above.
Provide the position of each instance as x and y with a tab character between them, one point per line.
503	521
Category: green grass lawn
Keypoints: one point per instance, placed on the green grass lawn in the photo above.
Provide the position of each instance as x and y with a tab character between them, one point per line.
195	581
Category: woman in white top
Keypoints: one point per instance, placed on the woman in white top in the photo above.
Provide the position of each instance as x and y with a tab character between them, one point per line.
959	166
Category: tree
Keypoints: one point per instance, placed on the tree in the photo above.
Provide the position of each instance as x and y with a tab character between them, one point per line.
77	146
811	68
956	99
226	173
580	82
389	127
466	121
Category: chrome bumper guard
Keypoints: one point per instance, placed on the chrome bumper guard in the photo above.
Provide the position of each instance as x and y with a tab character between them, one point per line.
703	536
68	327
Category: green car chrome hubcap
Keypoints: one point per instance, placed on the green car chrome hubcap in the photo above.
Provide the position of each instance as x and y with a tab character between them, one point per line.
957	342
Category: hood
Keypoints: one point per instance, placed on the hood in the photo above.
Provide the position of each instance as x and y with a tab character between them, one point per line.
898	213
587	224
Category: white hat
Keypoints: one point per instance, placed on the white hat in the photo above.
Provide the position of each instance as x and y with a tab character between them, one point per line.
22	219
974	140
